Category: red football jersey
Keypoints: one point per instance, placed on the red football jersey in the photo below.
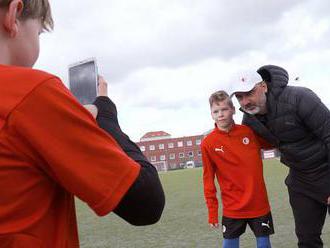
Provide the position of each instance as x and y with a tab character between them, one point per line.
51	150
234	158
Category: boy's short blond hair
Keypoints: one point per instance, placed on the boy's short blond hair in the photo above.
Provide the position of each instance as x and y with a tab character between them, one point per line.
220	96
35	9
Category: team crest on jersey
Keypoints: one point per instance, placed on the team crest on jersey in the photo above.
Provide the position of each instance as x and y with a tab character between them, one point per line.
246	141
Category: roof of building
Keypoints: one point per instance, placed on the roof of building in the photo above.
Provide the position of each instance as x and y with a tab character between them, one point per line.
156	134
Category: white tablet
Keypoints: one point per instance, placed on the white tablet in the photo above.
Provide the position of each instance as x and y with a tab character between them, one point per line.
83	79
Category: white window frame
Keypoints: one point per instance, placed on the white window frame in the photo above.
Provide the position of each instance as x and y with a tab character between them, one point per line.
170	145
153	159
189	143
180	144
162	157
181	155
152	147
142	148
191	154
172	156
198	141
161	146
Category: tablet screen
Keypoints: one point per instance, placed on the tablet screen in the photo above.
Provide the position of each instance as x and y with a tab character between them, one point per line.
83	81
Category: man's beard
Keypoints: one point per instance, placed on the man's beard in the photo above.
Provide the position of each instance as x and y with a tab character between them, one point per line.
257	109
253	111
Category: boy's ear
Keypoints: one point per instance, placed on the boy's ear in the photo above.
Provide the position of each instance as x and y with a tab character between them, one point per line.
14	10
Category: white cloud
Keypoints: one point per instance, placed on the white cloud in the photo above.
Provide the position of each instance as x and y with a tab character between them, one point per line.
163	59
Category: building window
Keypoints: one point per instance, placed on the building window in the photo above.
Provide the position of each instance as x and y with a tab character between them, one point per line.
162	157
153	158
172	155
170	145
199	153
198	142
189	143
180	143
142	148
181	165
181	155
190	154
161	146
152	147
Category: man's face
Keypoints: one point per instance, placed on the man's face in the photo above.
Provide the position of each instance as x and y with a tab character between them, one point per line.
222	113
254	101
25	46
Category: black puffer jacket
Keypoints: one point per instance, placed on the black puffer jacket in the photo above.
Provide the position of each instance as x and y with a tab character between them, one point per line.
297	123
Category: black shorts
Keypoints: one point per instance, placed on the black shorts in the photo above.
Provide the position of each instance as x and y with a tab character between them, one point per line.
261	226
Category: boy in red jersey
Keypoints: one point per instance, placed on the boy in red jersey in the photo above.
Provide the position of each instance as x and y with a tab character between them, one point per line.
51	148
231	153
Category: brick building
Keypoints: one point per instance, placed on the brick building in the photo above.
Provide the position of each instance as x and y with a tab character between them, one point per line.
167	153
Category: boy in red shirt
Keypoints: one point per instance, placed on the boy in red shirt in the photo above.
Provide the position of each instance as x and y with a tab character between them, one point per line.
51	148
231	153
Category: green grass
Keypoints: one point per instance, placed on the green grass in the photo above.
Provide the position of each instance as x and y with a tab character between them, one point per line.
184	221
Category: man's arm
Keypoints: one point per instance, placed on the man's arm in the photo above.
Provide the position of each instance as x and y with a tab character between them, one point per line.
210	191
144	202
316	117
263	143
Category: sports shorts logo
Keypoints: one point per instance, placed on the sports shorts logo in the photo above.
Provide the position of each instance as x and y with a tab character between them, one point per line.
224	229
217	149
265	224
246	141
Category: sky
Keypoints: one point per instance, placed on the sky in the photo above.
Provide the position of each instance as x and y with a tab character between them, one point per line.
162	59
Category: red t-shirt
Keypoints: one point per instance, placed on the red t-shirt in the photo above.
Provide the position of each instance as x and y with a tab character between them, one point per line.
235	159
50	150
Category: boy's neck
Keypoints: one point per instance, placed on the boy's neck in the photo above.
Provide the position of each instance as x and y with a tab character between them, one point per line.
226	129
4	58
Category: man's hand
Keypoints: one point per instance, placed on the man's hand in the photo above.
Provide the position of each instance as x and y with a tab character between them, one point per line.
102	86
214	225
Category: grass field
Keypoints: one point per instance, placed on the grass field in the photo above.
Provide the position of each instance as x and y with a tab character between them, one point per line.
184	221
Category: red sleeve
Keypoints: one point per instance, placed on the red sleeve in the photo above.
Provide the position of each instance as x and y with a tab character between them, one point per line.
210	191
66	143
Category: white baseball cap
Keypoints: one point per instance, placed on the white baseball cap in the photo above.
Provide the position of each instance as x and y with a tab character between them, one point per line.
244	82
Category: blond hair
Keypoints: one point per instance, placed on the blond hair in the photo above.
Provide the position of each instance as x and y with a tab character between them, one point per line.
220	96
34	9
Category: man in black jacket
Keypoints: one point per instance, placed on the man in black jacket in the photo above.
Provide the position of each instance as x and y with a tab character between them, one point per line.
294	120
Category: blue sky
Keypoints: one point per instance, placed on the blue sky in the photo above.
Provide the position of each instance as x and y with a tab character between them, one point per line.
163	58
